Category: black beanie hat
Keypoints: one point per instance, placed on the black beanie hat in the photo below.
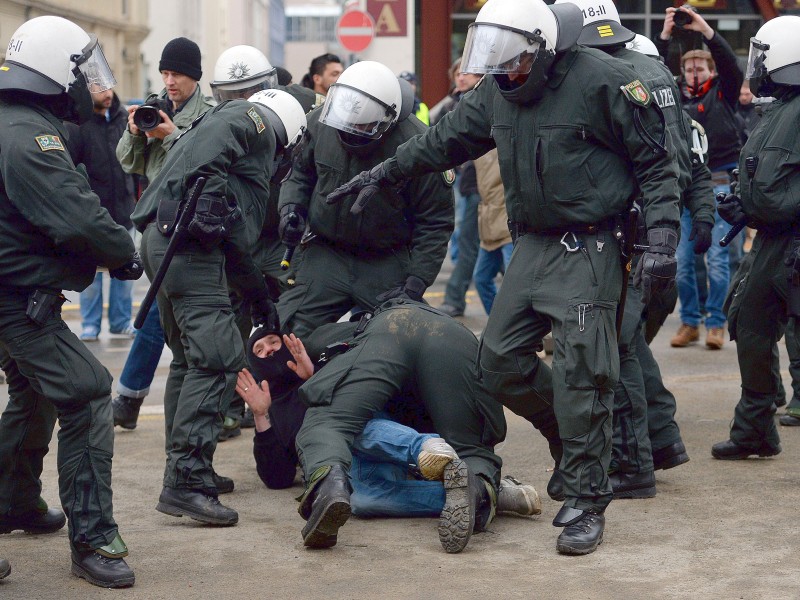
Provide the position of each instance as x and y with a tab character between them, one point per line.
182	55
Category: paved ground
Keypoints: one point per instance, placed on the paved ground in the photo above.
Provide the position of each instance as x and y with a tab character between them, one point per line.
715	529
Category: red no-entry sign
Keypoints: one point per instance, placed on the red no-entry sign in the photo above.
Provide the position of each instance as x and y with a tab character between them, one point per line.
355	30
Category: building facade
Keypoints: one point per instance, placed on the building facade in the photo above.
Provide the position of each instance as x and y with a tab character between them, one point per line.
120	26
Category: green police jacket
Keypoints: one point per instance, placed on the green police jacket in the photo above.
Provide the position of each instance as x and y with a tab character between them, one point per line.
146	156
666	94
574	157
770	188
233	145
53	231
419	216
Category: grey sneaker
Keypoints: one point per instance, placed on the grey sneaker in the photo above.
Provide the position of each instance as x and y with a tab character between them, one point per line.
518	498
435	455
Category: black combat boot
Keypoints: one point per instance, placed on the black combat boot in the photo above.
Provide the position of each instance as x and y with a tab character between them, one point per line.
730	450
583	530
197	504
126	411
39	519
325	506
105	566
633	485
469	506
670	456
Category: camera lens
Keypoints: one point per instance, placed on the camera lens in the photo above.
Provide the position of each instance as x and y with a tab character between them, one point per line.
682	18
146	118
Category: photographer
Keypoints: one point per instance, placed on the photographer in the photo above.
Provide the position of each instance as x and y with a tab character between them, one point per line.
144	152
710	82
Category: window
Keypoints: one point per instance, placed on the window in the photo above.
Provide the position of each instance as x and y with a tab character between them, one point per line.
311	29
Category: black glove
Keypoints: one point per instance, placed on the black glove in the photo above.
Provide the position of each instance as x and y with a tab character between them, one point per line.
730	209
412	289
367	184
701	234
131	270
657	267
263	311
292	225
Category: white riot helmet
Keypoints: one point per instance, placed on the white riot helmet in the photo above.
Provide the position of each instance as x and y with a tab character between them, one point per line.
365	101
774	55
288	120
643	45
284	113
520	37
47	55
601	24
240	72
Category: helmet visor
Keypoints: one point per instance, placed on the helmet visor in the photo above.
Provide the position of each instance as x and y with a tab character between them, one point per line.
499	50
755	62
92	63
244	89
353	111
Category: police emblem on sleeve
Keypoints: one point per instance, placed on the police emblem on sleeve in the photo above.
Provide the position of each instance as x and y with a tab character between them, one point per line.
449	177
49	142
637	93
256	118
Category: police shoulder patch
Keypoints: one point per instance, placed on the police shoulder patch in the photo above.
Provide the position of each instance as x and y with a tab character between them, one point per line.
256	118
637	93
449	177
49	142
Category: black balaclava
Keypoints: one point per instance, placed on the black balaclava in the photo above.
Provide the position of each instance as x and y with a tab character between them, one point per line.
272	369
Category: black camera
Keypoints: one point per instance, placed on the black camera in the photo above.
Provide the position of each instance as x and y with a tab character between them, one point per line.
682	17
146	116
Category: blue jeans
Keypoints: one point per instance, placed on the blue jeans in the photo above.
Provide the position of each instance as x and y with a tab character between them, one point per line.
140	366
455	294
379	473
119	305
488	265
717	265
458	206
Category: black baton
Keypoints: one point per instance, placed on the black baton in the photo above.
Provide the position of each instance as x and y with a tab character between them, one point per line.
186	215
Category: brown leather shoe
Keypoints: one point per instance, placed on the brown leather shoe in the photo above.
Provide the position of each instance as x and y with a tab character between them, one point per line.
686	335
715	338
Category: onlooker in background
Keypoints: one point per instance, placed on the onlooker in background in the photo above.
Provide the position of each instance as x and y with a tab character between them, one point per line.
446	104
144	153
93	144
710	86
322	73
496	247
420	109
284	77
464	241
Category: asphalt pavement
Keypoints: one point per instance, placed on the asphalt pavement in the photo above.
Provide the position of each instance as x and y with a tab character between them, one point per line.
714	530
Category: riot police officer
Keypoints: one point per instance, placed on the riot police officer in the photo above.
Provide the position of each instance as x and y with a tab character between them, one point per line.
577	137
769	176
398	246
633	466
234	146
53	236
